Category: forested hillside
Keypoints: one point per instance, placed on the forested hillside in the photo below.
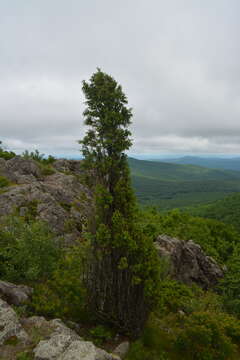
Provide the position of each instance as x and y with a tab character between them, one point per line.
226	210
168	186
178	172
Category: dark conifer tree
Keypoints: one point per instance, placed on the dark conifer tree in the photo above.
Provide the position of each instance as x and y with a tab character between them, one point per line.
124	267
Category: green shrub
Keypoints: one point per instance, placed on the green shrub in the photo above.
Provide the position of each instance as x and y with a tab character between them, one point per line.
201	330
4	154
25	356
150	345
100	334
4	182
208	336
28	251
64	295
13	340
204	335
37	156
139	352
49	160
229	286
69	225
66	206
46	169
31	212
175	296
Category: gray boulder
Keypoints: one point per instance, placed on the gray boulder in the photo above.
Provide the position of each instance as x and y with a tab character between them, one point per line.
14	294
10	325
122	349
68	166
188	262
52	348
48	340
2	166
37	322
65	344
77	350
20	170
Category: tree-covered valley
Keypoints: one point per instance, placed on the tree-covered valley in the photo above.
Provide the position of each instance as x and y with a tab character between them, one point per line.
148	277
169	185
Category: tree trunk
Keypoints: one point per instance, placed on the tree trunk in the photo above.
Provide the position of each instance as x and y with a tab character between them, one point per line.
114	298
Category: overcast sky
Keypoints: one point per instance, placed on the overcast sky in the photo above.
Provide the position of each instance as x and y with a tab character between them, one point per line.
178	61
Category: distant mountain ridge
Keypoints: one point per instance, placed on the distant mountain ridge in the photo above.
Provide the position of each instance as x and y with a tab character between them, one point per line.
171	171
169	185
211	162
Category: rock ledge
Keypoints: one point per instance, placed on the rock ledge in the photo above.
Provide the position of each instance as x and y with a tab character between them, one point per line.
188	262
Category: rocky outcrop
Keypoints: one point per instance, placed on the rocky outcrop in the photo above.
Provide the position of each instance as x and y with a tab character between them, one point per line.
14	294
57	343
20	170
9	325
65	344
188	262
43	340
68	166
60	198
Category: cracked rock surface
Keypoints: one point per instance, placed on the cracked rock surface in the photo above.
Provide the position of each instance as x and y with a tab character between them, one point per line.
9	324
188	262
59	198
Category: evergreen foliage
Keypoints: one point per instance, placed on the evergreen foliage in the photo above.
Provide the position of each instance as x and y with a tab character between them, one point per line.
124	265
6	155
229	286
4	182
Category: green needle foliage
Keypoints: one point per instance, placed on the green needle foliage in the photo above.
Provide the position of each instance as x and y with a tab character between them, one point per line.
4	154
124	268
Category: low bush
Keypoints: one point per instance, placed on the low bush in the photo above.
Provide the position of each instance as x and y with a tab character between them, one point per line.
37	156
150	345
99	334
28	251
202	335
25	356
46	169
189	324
207	335
4	154
4	182
64	295
175	296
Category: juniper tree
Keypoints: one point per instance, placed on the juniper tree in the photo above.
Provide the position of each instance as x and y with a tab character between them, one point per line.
124	266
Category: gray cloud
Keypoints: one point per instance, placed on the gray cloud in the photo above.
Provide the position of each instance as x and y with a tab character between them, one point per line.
178	62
